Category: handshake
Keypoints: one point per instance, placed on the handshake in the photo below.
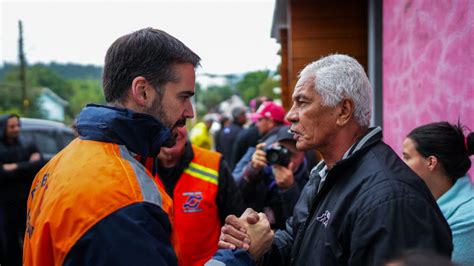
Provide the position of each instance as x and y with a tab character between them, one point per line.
251	231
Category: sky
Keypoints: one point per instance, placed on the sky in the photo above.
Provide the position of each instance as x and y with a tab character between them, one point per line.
229	36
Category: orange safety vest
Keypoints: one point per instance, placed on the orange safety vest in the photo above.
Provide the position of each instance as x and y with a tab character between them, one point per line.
196	216
84	183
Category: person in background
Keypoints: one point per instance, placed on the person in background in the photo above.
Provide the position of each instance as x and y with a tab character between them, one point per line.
420	258
226	137
20	160
203	192
270	117
249	136
362	204
94	203
200	134
439	154
274	186
224	121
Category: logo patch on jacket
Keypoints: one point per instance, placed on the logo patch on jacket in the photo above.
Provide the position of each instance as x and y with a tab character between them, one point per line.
324	218
192	202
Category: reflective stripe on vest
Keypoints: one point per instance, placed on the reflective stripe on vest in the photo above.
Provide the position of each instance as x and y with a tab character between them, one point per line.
204	173
62	205
196	213
149	189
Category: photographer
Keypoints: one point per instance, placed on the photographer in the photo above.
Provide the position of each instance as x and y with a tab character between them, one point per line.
274	177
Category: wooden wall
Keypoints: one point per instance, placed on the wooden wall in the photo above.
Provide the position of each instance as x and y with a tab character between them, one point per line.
318	28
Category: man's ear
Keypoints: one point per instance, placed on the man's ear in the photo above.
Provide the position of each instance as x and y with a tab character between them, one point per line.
140	90
432	162
346	110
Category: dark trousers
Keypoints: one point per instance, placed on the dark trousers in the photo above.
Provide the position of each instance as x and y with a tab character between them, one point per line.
12	228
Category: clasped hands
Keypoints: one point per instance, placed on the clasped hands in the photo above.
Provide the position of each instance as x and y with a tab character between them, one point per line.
251	231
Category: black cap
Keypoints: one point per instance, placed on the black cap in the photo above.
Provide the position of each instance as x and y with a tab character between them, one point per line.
282	134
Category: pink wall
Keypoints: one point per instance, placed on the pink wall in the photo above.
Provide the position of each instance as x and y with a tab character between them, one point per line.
428	65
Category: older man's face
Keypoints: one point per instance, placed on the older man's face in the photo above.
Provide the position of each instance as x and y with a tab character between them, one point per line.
313	124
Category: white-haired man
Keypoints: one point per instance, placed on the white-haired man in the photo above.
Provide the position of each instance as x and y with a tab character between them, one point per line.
362	204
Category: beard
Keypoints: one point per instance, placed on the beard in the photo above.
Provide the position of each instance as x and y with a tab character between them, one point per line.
157	111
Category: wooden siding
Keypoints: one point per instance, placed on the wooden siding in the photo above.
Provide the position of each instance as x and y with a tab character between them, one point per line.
318	28
284	82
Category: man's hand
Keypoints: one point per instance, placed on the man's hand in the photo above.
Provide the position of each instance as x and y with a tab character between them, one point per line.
283	175
234	232
261	237
8	167
259	159
35	157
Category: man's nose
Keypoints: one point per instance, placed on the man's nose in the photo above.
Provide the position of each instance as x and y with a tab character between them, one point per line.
188	110
292	115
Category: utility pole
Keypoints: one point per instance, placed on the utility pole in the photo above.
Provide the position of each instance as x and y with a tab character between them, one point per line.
21	57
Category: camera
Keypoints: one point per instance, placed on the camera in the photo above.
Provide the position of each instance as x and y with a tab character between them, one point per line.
278	155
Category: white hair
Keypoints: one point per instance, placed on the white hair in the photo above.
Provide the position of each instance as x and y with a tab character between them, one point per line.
340	76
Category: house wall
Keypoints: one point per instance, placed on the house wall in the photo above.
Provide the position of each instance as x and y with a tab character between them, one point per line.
318	28
52	109
428	65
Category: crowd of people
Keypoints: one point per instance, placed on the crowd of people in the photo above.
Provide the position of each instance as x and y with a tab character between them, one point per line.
136	188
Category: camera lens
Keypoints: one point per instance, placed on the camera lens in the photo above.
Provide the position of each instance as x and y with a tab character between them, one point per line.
272	157
278	155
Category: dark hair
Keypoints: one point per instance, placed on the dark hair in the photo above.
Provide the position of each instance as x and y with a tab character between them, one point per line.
419	257
447	143
238	111
150	53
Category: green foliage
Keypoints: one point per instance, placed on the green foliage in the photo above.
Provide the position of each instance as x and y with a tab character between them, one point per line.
76	71
257	83
65	71
10	93
77	92
6	68
85	91
250	85
79	85
209	99
267	86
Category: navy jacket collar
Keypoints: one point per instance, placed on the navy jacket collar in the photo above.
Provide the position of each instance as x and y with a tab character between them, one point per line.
140	133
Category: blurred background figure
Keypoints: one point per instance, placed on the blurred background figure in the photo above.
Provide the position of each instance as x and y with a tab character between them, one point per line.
203	192
420	258
274	176
227	135
19	162
200	134
224	121
439	154
270	117
249	136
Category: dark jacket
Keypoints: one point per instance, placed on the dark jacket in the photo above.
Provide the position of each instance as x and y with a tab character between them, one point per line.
246	138
228	200
15	185
139	232
261	193
370	207
225	140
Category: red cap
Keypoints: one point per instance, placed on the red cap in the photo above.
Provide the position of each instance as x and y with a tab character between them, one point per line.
271	110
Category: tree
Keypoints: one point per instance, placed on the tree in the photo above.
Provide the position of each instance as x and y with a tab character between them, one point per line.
76	92
85	91
257	83
211	97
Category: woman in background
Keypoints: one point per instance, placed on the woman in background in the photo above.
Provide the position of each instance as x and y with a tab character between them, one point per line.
439	154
